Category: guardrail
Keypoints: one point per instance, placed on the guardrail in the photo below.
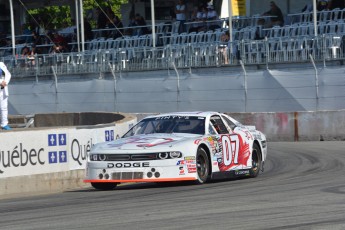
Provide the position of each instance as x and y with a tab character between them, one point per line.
185	55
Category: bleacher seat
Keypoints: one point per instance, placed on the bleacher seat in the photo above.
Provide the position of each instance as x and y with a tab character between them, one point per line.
275	32
200	37
331	27
324	15
192	37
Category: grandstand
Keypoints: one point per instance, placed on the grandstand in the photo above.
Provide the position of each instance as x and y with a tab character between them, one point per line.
252	44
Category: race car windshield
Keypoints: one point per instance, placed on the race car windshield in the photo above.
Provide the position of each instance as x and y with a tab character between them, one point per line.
169	124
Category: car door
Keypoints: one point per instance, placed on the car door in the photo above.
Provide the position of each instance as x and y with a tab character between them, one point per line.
231	145
246	140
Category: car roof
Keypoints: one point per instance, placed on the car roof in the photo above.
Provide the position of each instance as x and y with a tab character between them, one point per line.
195	113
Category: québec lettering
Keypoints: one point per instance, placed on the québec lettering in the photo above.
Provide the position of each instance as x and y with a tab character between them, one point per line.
19	157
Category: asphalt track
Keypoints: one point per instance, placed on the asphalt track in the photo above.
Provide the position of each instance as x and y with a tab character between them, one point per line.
303	187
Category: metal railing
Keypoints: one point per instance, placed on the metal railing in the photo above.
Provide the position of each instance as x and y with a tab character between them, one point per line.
183	55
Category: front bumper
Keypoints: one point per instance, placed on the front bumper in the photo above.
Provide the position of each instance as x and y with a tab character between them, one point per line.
141	171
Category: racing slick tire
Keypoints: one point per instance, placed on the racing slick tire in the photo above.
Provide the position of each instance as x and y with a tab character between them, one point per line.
104	186
202	166
256	161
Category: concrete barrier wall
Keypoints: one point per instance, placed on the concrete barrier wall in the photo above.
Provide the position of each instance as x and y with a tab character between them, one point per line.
297	126
325	125
276	126
29	185
207	89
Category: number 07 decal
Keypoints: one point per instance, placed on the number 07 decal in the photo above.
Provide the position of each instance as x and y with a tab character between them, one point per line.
230	149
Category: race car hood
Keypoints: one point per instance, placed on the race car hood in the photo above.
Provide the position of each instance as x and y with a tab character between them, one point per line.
150	141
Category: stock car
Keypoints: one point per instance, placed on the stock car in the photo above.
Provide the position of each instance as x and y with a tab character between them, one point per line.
184	146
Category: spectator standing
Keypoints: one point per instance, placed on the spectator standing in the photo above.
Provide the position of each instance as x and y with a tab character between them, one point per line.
26	35
37	40
38	26
180	11
5	79
194	18
142	29
212	16
130	31
115	23
202	17
278	18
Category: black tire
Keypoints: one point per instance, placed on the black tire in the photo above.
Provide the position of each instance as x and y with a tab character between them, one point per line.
104	186
202	166
256	161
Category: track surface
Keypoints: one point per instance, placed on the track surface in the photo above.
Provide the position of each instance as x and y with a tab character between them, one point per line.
303	187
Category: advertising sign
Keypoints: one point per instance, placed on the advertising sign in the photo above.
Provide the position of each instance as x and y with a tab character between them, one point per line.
30	152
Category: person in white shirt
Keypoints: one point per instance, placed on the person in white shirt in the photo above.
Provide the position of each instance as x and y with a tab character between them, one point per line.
198	17
5	79
212	16
202	14
202	18
180	11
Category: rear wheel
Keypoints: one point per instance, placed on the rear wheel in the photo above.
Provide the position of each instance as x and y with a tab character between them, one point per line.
202	165
256	161
104	186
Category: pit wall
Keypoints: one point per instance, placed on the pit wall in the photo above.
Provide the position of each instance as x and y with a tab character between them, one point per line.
51	159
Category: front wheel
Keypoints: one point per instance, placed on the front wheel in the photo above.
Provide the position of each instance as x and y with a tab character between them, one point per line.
256	161
104	186
202	165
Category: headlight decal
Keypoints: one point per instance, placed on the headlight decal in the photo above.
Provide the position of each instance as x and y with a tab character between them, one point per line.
102	157
163	155
175	154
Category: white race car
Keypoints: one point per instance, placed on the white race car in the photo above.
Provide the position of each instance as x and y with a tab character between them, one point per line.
193	146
